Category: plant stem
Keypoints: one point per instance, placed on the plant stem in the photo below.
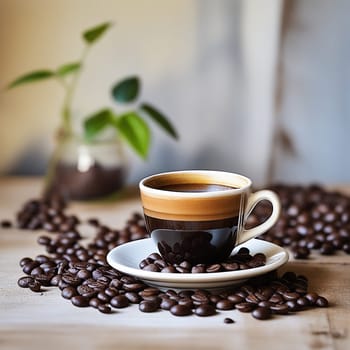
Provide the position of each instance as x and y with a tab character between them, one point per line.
70	90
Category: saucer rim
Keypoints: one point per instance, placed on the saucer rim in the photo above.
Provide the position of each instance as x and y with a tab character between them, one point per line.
213	277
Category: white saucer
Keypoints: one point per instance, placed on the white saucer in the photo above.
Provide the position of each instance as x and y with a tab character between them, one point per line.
126	258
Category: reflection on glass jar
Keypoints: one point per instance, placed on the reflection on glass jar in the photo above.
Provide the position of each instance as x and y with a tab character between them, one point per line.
80	170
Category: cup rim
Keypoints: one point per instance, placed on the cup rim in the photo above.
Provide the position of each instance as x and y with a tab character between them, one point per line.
144	188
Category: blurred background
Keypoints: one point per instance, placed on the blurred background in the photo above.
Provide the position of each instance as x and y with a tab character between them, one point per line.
256	87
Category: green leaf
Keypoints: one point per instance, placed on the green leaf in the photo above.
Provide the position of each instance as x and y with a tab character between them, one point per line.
160	119
93	34
135	131
126	90
97	122
32	77
68	68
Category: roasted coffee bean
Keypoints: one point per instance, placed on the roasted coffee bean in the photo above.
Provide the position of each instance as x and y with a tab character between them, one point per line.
322	302
236	299
87	291
104	308
95	303
133	287
326	249
281	309
290	296
245	307
105	298
228	320
168	269
84	274
34	286
181	310
5	223
205	310
80	301
44	279
71	279
225	304
246	262
133	297
213	268
69	292
312	298
25	261
151	267
187	302
44	240
119	301
167	304
293	305
25	281
261	313
252	298
29	266
301	252
148	306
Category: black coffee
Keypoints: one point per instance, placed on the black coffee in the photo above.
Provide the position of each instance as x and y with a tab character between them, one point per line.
195	187
196	242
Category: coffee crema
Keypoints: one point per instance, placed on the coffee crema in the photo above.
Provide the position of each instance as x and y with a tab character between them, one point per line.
194	187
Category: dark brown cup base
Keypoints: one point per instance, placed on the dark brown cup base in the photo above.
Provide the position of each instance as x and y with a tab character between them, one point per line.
243	260
204	242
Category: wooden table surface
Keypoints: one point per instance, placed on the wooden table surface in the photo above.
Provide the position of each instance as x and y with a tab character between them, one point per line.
47	321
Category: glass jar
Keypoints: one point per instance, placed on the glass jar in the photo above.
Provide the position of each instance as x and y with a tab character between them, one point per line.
81	170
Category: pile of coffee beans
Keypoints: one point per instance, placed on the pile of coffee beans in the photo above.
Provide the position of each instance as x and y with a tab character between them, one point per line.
242	260
312	219
84	277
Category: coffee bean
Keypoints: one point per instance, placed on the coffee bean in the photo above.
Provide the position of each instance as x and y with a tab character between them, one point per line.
261	313
34	286
167	304
168	269
281	309
205	310
236	299
133	297
225	304
245	307
25	261
228	320
290	296
151	267
322	302
104	308
213	268
29	266
119	301
326	249
181	310
25	281
69	292
95	303
148	306
5	223
80	301
105	298
301	252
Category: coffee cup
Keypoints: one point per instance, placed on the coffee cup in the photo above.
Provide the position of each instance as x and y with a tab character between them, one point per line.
199	215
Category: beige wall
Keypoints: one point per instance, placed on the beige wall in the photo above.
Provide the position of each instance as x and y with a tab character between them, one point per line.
152	38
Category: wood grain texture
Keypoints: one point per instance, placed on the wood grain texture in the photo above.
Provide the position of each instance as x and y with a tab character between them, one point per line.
46	320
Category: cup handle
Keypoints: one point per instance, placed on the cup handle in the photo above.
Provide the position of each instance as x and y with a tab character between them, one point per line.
253	200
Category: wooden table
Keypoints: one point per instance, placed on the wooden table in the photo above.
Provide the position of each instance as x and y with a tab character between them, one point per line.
34	320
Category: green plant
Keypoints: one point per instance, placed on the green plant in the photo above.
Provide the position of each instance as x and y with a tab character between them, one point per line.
131	126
